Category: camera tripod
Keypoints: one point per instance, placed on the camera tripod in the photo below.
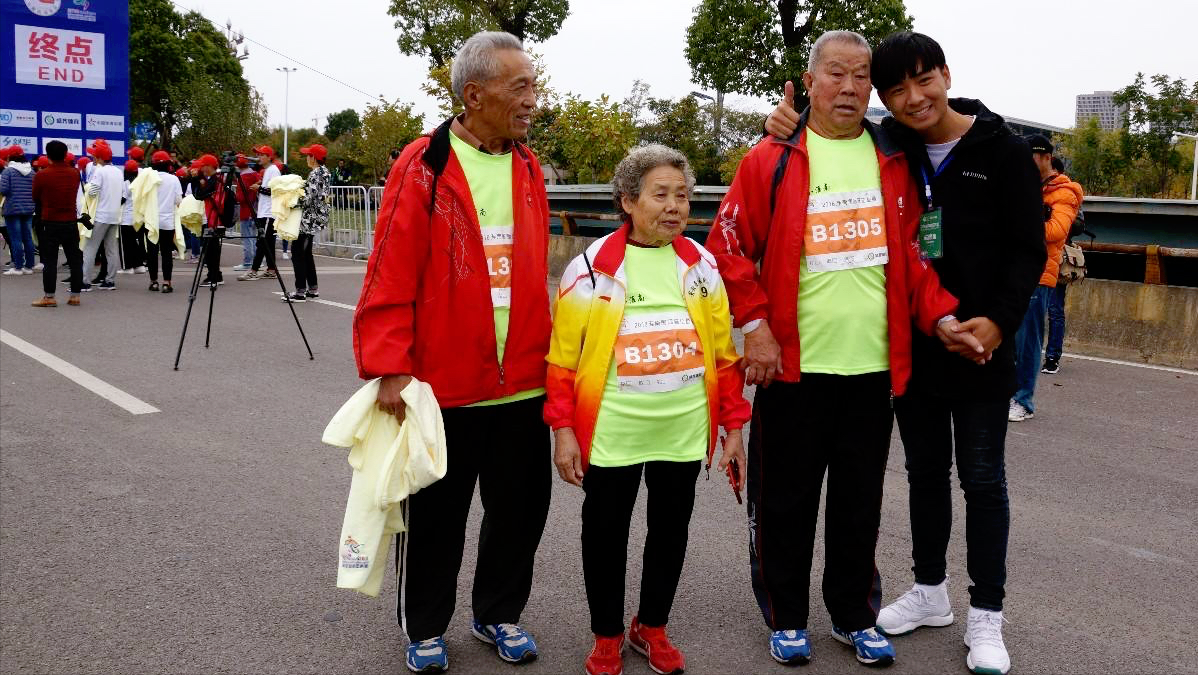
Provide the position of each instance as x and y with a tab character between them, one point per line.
213	237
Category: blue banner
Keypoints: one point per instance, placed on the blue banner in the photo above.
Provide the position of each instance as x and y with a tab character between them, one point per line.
65	74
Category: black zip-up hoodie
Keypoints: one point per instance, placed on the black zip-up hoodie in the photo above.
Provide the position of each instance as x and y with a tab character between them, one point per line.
994	252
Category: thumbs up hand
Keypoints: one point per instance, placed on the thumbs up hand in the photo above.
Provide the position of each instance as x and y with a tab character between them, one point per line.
785	119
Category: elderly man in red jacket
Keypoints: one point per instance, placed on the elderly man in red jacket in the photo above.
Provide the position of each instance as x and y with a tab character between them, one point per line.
455	296
831	215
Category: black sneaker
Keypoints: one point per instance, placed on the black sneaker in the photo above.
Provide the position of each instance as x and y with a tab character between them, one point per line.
167	288
98	280
86	288
312	293
1051	366
294	297
108	285
153	285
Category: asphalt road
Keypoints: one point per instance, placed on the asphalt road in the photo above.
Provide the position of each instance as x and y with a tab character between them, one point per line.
202	538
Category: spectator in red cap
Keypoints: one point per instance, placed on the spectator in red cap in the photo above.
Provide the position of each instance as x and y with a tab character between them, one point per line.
133	244
315	207
247	204
42	162
54	193
209	188
70	158
16	185
264	220
106	183
137	154
170	193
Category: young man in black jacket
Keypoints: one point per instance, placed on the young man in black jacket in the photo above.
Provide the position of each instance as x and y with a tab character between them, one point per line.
983	232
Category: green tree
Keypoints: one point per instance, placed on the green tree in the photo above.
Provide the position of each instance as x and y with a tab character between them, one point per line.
753	46
213	119
385	125
589	137
435	29
1096	158
682	124
731	163
341	123
170	53
1154	118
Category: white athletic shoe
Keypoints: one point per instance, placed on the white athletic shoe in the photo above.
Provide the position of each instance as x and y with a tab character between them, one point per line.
140	269
920	606
38	267
983	635
1017	413
14	272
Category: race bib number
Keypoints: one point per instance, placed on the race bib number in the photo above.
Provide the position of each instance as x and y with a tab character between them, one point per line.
497	245
845	230
658	353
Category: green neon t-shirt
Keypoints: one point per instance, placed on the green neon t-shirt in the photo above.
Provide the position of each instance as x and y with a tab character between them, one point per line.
654	404
842	273
490	180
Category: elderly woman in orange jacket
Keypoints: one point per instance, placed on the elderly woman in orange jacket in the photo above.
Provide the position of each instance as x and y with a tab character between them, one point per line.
642	373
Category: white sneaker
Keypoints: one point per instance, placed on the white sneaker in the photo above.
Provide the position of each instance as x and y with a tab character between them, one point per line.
920	606
128	271
13	272
983	635
286	255
140	269
27	270
38	267
1017	413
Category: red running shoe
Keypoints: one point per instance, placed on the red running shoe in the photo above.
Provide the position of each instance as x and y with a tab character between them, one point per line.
606	656
664	657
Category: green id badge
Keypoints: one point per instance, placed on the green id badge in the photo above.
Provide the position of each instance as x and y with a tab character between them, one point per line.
931	245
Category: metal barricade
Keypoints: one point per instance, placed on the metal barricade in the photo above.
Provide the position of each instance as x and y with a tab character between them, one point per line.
376	198
351	222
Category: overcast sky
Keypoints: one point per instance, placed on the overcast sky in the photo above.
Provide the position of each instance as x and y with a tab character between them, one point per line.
1024	58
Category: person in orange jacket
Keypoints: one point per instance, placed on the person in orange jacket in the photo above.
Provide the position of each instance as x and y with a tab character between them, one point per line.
1062	199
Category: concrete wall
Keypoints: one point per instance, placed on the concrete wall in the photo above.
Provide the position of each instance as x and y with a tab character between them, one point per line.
1133	321
562	250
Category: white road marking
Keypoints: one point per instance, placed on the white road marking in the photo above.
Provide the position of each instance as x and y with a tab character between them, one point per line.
78	376
330	303
1148	366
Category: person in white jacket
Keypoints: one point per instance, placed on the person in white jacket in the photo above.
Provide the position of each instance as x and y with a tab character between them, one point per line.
107	184
170	193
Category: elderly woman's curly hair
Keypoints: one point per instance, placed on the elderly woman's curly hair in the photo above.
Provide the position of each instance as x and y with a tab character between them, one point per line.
630	172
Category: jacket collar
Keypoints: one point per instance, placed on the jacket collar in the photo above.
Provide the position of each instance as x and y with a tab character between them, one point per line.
611	254
881	138
436	155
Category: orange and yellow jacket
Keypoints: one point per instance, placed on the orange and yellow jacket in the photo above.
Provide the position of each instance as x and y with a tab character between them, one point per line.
586	322
1063	197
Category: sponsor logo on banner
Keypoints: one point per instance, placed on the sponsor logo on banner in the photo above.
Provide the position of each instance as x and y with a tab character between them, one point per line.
18	118
59	57
43	7
106	123
74	145
27	143
57	120
118	147
81	11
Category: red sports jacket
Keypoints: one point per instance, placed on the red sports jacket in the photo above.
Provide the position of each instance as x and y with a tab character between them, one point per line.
749	229
425	308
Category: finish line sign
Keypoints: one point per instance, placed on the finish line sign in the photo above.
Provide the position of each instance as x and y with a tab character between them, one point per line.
68	78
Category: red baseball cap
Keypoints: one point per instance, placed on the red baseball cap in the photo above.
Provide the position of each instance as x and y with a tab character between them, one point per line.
132	165
100	151
208	160
82	162
264	150
242	162
42	162
70	158
160	156
137	153
317	151
182	173
14	151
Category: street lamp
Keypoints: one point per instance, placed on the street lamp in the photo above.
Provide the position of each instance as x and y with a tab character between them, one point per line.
1194	177
286	100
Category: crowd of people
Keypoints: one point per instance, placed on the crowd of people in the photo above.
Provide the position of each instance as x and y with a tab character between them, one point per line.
877	272
111	219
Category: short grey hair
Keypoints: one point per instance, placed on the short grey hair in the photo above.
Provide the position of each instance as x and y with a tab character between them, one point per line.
630	172
476	62
835	36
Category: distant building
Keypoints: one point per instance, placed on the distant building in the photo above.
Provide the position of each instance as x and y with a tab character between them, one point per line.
1101	104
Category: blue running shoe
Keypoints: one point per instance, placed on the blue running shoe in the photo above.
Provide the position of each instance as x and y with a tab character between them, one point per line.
512	643
790	647
428	656
873	649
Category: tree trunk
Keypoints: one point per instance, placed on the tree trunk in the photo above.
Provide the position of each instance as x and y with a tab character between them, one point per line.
718	118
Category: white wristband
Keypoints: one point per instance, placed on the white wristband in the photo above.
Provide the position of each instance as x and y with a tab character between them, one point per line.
946	317
751	326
